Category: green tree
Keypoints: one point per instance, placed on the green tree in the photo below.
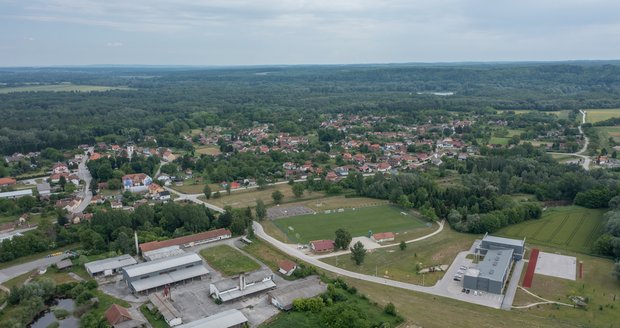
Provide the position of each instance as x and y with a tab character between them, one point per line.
343	239
616	272
402	245
298	190
390	309
228	190
277	196
261	210
358	252
207	191
62	182
262	183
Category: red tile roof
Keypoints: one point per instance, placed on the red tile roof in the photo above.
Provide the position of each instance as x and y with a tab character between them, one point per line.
383	235
286	265
116	314
322	245
7	181
184	240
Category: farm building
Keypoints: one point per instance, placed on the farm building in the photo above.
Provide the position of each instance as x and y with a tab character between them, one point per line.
170	314
107	267
491	274
149	276
322	246
286	267
492	242
64	264
247	284
383	236
226	319
16	194
188	241
162	253
119	317
283	298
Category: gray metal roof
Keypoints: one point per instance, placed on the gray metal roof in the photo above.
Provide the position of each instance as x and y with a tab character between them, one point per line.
16	193
258	275
110	263
505	241
64	264
161	264
309	287
226	319
163	253
495	264
249	290
169	278
164	307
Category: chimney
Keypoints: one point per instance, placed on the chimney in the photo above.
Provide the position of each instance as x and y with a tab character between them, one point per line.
135	235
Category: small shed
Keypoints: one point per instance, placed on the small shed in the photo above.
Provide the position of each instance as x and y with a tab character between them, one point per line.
64	264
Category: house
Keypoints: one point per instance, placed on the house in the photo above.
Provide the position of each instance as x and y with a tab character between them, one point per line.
60	168
5	182
283	298
116	205
383	236
286	267
95	156
383	167
119	317
164	195
136	182
168	156
155	189
331	176
322	246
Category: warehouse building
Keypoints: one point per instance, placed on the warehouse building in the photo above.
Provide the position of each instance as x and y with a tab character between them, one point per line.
108	267
491	273
283	298
162	253
153	275
188	241
492	242
226	319
247	284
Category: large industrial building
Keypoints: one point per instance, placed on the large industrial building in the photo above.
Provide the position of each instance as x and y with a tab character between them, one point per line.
283	298
110	266
247	284
163	253
188	241
225	319
492	242
491	273
150	276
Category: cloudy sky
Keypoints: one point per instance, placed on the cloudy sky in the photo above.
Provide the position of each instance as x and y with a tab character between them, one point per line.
245	32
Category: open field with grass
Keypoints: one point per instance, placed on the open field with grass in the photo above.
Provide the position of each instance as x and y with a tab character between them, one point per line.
60	88
191	186
606	132
561	114
562	158
305	228
499	141
267	254
568	227
336	202
208	150
228	260
399	265
597	115
597	284
245	198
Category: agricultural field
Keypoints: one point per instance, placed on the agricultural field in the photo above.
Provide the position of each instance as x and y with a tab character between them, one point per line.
568	227
305	228
597	115
60	88
606	132
245	198
228	260
392	263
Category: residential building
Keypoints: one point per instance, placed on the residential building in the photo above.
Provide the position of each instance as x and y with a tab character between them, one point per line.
60	168
152	275
322	246
110	266
383	237
5	182
119	317
286	267
188	241
136	182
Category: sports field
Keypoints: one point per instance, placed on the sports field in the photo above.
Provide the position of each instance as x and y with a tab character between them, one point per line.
60	88
597	115
228	260
569	227
305	228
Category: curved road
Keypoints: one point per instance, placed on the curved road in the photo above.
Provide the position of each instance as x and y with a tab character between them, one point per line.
586	159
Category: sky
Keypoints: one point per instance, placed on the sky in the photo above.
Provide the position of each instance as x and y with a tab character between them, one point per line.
276	32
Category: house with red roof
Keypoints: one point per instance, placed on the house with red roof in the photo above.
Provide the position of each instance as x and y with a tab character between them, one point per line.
60	168
322	246
382	237
286	267
136	182
5	182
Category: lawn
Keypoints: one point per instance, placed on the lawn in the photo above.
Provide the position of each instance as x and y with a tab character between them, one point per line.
568	227
266	254
499	141
399	265
208	150
191	186
597	284
60	88
597	115
384	218
606	132
248	197
228	260
336	202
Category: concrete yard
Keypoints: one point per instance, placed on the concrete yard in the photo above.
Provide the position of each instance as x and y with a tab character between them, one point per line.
555	265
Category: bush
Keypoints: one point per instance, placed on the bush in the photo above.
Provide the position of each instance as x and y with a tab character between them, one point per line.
390	309
60	313
314	305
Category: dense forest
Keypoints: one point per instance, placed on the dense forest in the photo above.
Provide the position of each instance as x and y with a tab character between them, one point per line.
164	101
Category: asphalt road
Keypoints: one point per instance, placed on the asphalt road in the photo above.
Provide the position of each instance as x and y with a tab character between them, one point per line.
84	174
18	270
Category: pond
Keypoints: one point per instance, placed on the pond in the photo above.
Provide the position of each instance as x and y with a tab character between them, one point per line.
47	317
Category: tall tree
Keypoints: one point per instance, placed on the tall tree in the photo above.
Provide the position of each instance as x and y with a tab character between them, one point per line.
343	239
298	190
207	191
261	210
277	196
358	252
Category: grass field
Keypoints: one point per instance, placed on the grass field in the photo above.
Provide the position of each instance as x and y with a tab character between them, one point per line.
606	132
228	260
597	115
400	265
499	141
358	222
208	150
267	254
60	88
568	227
245	198
336	202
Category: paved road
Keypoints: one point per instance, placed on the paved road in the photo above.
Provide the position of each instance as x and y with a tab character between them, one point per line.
586	159
18	270
511	291
84	174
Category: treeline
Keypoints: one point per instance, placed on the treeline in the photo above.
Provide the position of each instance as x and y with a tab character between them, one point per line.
172	100
608	243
